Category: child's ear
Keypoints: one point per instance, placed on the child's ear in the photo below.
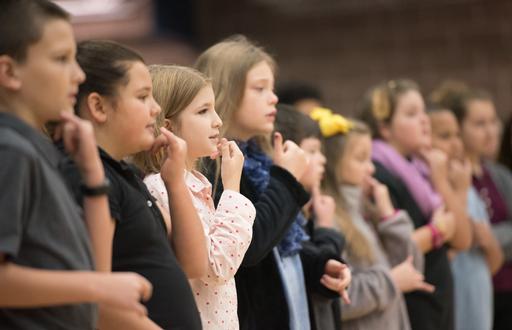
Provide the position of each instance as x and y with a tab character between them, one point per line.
8	76
97	107
168	124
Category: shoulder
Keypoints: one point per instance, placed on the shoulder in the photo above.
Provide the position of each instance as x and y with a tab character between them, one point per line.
14	145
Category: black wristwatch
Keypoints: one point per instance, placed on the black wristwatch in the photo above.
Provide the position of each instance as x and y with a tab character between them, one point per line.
98	190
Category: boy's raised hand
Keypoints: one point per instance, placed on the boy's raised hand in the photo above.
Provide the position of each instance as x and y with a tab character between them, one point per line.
123	291
79	141
324	208
232	162
176	155
289	156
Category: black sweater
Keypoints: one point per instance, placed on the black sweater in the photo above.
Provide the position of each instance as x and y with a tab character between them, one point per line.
261	299
427	311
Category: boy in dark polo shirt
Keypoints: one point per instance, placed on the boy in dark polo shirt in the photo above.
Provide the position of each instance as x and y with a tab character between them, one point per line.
46	262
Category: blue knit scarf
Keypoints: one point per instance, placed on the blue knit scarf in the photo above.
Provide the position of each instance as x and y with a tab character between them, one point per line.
257	170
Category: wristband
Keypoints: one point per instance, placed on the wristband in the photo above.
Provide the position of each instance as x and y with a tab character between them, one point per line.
101	189
437	238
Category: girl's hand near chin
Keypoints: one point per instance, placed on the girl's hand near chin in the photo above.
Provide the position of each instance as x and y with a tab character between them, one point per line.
232	163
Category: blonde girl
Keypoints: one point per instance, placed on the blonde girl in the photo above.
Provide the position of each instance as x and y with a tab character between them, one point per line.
378	237
188	110
271	281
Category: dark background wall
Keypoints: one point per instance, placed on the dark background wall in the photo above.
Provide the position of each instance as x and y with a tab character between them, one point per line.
346	46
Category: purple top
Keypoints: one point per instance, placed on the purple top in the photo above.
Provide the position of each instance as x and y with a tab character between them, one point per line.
497	210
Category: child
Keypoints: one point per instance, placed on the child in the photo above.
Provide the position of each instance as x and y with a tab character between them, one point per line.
380	249
299	128
395	113
471	269
270	282
46	261
117	99
477	118
187	100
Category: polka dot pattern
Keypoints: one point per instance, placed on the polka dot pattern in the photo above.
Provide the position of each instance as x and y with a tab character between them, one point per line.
228	231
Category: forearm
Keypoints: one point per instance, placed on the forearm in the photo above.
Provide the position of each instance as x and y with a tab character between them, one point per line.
28	287
187	236
101	230
423	239
114	319
493	255
462	236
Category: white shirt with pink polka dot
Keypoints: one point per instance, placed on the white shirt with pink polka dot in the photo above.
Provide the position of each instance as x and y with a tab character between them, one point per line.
228	231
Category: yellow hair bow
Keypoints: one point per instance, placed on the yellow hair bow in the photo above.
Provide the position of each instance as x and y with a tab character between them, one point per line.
330	124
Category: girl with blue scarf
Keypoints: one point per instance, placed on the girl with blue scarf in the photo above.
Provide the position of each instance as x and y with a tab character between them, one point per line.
271	282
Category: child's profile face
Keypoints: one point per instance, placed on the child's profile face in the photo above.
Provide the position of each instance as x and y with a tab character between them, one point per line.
355	166
446	134
199	125
316	165
132	115
480	128
257	112
409	130
49	76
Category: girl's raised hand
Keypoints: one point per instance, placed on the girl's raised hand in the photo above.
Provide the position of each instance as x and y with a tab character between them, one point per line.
438	163
407	278
380	195
232	163
460	175
176	155
289	156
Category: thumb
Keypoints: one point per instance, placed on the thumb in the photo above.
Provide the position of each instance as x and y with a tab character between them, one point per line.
278	144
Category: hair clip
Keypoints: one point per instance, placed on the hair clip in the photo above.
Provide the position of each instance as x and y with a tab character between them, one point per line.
330	124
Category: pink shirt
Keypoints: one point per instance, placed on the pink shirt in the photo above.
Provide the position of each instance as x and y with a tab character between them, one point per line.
228	230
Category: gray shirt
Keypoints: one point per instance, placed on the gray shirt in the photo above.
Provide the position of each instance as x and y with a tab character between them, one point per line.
376	303
40	224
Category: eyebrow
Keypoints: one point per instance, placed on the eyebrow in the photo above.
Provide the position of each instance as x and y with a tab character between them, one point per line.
205	104
144	89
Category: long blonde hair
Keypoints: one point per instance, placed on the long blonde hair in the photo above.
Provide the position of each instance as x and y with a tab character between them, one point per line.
335	148
227	64
174	88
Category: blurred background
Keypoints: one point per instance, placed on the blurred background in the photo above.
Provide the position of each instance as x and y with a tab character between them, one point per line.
341	46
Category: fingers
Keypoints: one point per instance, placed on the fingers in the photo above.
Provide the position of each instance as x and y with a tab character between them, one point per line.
424	286
140	309
330	282
344	296
224	149
160	142
68	137
146	290
334	267
278	144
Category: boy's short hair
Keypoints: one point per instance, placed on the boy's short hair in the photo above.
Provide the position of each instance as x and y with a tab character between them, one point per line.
22	24
294	125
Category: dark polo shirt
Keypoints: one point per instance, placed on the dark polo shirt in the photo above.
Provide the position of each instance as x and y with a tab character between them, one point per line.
40	223
141	244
